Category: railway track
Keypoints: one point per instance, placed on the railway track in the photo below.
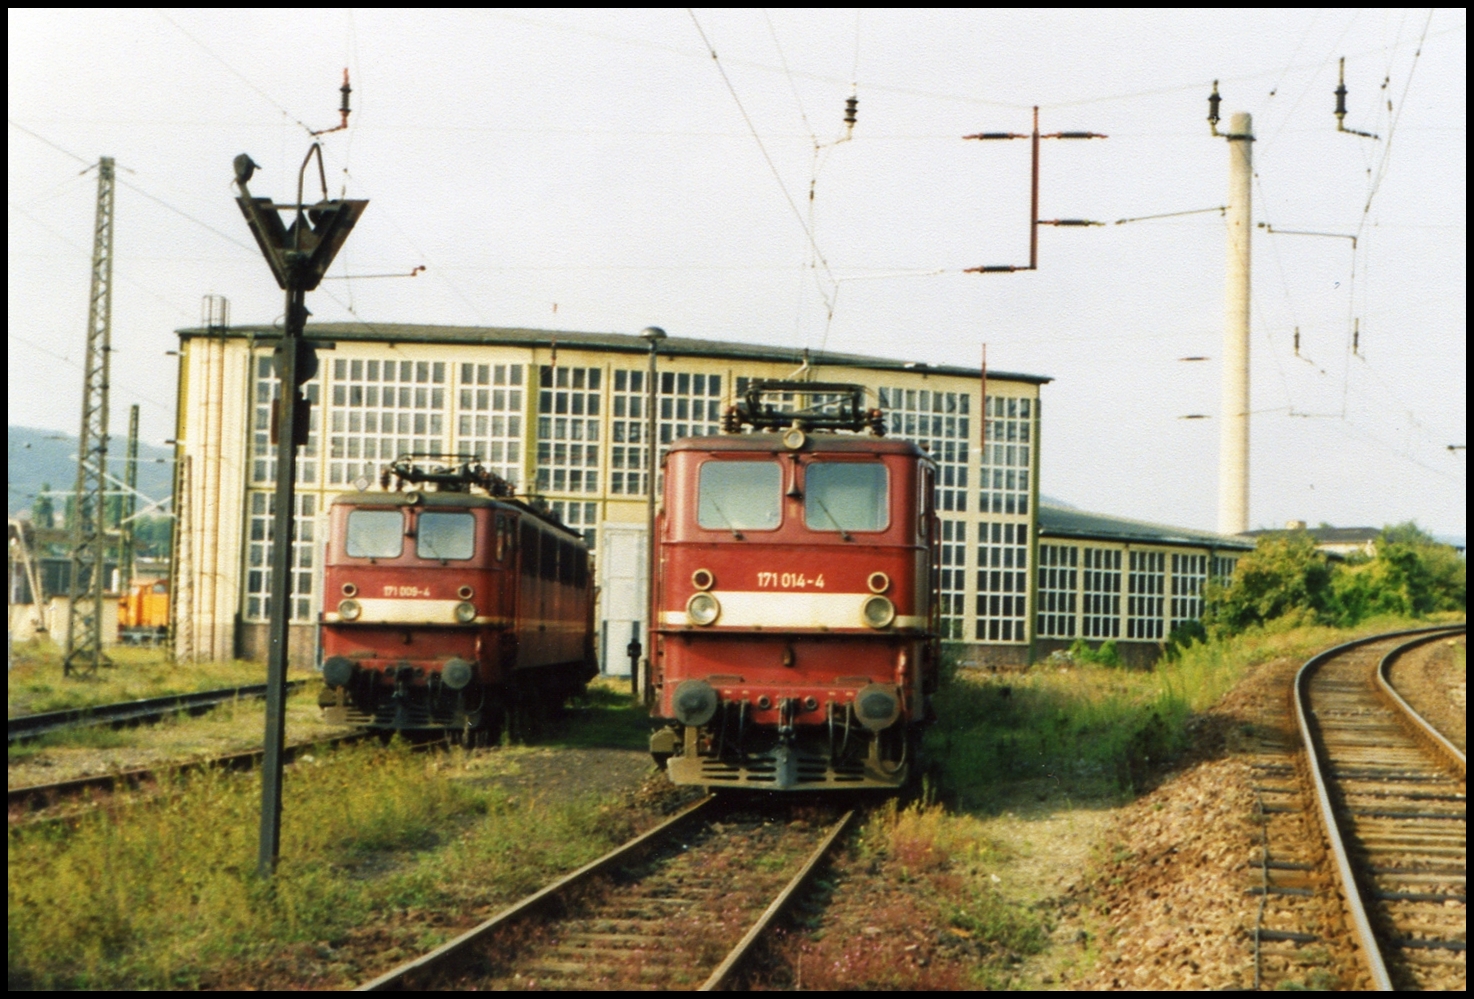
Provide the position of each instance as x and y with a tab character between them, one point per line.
1391	798
130	712
681	907
24	802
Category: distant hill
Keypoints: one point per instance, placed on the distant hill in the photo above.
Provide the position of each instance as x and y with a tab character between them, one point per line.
44	456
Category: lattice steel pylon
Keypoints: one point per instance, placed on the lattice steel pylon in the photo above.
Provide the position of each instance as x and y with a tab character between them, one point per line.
89	516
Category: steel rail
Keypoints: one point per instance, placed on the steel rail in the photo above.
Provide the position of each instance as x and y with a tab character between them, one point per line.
1361	924
25	727
401	977
1421	728
50	794
724	972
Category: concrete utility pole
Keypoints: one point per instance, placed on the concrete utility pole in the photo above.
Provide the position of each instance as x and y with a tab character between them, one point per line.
89	520
1233	453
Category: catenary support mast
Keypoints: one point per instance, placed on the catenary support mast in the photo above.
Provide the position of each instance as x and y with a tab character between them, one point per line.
89	515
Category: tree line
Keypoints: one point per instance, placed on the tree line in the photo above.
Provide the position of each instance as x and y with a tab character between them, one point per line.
1408	574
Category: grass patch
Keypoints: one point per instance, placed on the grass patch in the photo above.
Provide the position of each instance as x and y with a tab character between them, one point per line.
228	727
96	737
1090	727
37	682
608	716
375	841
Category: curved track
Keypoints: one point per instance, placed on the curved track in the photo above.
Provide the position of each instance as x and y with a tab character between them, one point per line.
1394	814
679	907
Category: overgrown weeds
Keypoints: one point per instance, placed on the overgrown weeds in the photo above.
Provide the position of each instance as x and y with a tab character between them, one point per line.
164	894
1087	726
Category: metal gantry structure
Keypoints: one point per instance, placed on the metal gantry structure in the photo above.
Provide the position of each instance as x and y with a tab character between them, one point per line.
89	517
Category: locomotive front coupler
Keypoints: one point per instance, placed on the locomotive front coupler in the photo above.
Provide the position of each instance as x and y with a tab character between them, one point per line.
785	718
849	713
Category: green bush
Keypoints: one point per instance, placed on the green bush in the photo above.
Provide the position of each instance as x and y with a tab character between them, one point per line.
1411	574
1285	574
1183	637
1106	655
1286	577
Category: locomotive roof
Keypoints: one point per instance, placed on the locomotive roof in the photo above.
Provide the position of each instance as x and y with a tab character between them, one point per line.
430	500
817	442
622	343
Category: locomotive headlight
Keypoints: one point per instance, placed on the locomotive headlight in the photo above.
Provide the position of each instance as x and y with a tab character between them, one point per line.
350	610
703	608
878	611
694	702
456	673
465	612
877	706
337	671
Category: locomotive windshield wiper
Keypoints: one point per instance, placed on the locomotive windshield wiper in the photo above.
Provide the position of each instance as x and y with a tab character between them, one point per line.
833	519
727	520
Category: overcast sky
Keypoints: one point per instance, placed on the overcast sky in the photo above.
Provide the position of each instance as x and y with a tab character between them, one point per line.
595	171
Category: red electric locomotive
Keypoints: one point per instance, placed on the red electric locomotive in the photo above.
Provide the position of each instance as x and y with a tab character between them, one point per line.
794	643
447	608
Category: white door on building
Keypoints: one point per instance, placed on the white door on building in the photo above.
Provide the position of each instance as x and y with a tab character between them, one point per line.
622	593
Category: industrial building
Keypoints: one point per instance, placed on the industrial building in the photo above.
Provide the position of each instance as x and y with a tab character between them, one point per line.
1106	578
562	416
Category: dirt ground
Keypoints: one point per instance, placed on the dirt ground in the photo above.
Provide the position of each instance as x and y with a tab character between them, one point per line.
1433	680
1150	894
561	774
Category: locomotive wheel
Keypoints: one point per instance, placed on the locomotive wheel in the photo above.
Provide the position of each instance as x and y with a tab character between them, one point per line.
482	728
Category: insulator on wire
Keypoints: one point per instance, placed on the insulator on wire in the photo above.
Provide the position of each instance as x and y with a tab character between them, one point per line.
1297	341
851	106
345	90
1341	95
1213	101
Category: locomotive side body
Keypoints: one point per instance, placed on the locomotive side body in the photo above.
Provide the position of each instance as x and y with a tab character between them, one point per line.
795	645
439	610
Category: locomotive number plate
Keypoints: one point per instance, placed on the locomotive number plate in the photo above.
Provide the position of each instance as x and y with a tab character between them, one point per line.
790	581
406	591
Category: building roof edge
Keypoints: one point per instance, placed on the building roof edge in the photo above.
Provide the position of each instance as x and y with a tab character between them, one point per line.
616	342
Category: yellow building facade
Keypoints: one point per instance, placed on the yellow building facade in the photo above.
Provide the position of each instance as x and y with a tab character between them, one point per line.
562	416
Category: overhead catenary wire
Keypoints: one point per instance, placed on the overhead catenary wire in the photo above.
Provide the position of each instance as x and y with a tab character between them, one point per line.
483	293
881	87
793	205
235	72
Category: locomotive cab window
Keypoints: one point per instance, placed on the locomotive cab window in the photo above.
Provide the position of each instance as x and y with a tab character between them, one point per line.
375	534
846	496
446	536
739	495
